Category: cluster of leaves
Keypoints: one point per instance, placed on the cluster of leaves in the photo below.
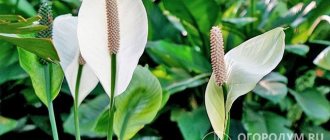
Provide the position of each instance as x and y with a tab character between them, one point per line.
292	99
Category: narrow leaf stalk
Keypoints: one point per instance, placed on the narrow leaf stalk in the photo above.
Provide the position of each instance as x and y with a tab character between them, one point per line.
47	71
76	100
112	95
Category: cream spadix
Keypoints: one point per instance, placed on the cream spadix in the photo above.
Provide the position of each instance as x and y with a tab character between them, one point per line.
244	66
66	43
112	26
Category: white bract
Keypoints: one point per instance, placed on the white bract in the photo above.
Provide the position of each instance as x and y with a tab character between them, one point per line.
93	40
323	59
66	44
245	66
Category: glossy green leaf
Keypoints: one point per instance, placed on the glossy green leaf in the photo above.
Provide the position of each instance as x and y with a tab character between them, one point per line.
262	122
7	124
200	13
22	26
89	114
12	72
32	65
21	30
175	80
159	26
23	6
41	47
301	50
138	105
314	104
272	87
193	125
179	56
11	18
9	66
240	22
42	122
197	17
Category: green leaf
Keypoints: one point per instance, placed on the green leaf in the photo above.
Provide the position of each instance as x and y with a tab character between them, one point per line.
22	26
41	47
11	18
193	125
32	65
138	105
89	114
318	131
179	56
301	49
314	104
21	30
23	6
159	26
12	72
42	122
200	13
240	22
174	80
197	17
272	87
9	66
262	122
7	124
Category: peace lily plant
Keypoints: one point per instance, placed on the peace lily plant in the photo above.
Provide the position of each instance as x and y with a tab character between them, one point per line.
238	72
112	35
79	75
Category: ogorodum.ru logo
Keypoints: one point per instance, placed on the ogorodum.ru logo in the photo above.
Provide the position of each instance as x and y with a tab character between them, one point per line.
268	136
280	136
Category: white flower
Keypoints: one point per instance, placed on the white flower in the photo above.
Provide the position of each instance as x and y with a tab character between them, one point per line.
323	59
113	26
66	43
242	68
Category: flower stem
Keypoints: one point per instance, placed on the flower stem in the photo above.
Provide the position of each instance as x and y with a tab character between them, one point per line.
226	137
51	113
226	133
112	95
52	120
76	101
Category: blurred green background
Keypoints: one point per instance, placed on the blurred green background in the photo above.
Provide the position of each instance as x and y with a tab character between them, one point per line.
294	98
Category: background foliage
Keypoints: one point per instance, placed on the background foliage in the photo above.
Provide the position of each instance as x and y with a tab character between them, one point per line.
292	99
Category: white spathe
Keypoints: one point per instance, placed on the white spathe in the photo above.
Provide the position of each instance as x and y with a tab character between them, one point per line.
249	62
246	65
323	59
66	44
92	36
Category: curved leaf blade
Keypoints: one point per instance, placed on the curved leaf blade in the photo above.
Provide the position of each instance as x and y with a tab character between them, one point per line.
138	105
